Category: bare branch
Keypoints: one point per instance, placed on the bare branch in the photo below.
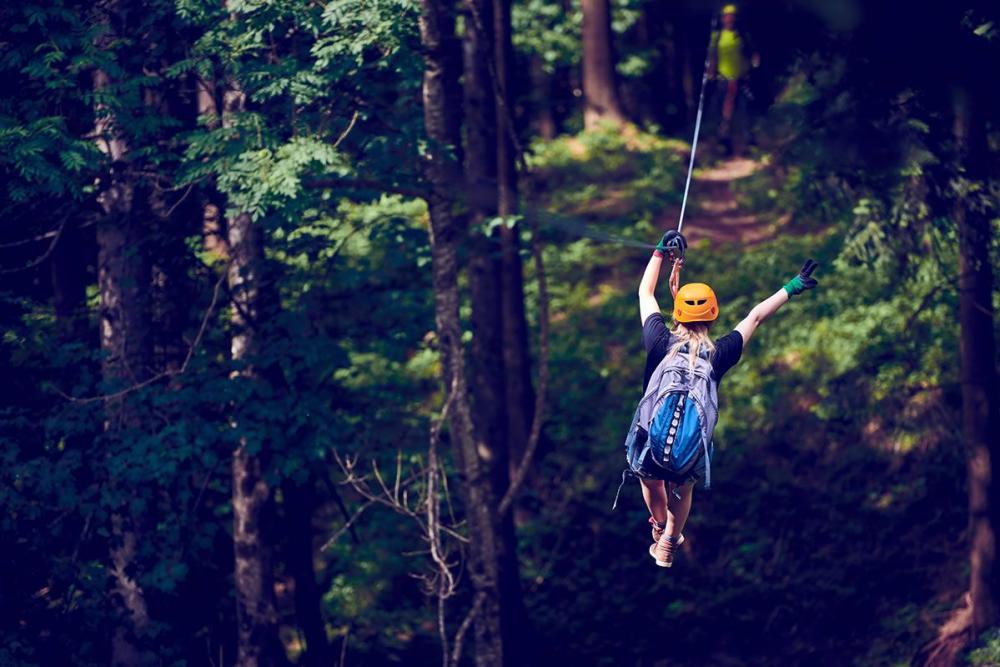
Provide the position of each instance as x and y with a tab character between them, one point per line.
195	344
363	184
45	255
456	654
350	126
517	480
347	525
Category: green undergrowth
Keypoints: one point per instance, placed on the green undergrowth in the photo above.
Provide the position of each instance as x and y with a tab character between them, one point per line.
834	529
987	651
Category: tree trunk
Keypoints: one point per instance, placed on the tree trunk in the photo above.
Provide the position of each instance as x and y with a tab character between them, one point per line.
485	120
653	34
253	501
299	503
445	236
688	74
980	410
518	391
213	206
171	218
123	287
600	91
541	93
484	259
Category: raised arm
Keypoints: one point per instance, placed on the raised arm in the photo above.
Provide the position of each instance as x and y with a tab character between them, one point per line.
647	286
771	304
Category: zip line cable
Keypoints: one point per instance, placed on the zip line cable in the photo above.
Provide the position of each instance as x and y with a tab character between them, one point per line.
572	226
697	124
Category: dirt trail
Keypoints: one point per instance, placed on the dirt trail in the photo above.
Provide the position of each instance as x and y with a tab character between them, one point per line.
713	212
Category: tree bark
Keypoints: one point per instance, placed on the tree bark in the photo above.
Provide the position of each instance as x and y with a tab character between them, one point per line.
253	500
600	90
299	503
519	395
487	370
541	93
445	235
980	409
124	335
485	131
171	218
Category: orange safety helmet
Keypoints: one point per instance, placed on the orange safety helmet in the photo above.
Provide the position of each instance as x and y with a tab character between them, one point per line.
695	302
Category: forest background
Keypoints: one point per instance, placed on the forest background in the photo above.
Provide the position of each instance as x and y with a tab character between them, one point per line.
320	332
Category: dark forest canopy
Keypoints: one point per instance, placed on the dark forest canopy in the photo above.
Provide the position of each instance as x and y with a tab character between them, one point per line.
320	337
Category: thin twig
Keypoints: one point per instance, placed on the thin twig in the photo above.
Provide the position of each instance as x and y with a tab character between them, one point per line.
347	525
350	126
195	344
343	646
456	653
42	237
442	631
517	480
363	184
170	211
45	255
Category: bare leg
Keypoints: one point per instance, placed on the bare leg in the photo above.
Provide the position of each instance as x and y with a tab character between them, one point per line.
655	495
678	510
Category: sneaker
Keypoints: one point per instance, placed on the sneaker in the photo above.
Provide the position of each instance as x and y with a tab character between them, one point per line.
658	529
663	550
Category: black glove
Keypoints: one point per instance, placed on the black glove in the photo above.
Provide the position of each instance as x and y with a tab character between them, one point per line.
803	281
673	245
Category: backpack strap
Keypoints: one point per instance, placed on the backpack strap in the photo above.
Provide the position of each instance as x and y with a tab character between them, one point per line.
626	473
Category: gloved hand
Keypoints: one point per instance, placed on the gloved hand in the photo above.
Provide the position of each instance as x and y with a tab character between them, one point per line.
803	281
672	245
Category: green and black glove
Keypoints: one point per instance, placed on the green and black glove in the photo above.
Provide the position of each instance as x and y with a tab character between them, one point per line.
673	245
803	281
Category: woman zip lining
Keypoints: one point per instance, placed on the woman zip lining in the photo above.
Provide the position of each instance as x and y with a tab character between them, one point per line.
669	445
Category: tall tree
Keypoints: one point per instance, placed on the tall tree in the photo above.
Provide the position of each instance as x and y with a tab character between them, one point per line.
497	298
446	233
542	92
973	210
519	395
485	267
600	89
123	285
299	505
253	497
980	401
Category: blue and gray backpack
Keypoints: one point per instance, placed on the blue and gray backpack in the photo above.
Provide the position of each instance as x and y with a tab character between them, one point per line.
672	427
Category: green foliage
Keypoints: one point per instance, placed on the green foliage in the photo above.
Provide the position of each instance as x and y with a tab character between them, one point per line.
837	516
987	651
547	31
608	169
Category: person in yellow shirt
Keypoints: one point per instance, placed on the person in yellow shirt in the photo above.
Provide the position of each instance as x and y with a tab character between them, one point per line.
730	58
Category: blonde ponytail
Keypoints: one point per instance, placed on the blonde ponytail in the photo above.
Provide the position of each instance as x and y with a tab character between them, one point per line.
695	333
